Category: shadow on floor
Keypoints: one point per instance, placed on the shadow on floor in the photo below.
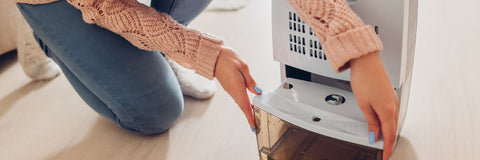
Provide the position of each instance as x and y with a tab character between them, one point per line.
404	150
7	60
13	97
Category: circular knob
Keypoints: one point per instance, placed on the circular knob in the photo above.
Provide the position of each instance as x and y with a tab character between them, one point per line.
335	99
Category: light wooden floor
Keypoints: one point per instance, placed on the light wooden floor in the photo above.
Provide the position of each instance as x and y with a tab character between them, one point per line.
48	120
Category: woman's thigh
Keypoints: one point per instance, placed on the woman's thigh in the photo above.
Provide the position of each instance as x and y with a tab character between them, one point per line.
138	86
183	11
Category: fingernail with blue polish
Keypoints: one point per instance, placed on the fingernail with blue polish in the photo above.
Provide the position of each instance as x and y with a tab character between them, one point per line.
257	89
253	130
371	137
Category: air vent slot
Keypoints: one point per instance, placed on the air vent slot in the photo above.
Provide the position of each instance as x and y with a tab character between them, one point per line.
303	40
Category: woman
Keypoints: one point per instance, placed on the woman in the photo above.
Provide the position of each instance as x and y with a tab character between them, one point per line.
113	62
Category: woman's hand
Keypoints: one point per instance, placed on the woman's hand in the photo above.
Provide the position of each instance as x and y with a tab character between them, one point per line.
235	78
376	98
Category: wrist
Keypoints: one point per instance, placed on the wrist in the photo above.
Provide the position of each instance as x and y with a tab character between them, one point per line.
353	44
369	65
366	61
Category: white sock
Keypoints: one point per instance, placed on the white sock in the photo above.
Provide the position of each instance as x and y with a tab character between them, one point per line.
192	84
31	57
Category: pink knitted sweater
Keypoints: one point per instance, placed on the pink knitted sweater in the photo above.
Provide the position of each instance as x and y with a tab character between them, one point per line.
342	33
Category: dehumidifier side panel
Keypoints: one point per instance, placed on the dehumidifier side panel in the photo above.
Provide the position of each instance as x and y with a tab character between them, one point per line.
412	30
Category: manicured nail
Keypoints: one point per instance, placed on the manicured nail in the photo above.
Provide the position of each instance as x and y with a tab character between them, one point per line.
253	130
371	137
258	90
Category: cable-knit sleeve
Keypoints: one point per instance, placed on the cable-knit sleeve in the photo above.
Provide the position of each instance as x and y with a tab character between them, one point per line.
344	36
148	29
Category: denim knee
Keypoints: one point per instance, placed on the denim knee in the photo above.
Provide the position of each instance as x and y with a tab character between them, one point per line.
155	118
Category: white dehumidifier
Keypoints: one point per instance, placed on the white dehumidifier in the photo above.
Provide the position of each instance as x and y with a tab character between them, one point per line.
313	115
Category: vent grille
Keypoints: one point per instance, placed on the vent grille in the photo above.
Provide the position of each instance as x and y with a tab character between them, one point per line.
304	41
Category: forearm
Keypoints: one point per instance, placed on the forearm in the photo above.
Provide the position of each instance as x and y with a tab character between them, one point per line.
148	29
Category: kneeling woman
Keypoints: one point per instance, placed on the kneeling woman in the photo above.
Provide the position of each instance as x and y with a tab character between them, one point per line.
111	53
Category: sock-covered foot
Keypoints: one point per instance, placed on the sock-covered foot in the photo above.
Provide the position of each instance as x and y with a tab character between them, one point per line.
31	57
45	70
192	84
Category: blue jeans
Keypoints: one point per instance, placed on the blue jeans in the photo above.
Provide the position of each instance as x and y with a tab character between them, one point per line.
134	88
